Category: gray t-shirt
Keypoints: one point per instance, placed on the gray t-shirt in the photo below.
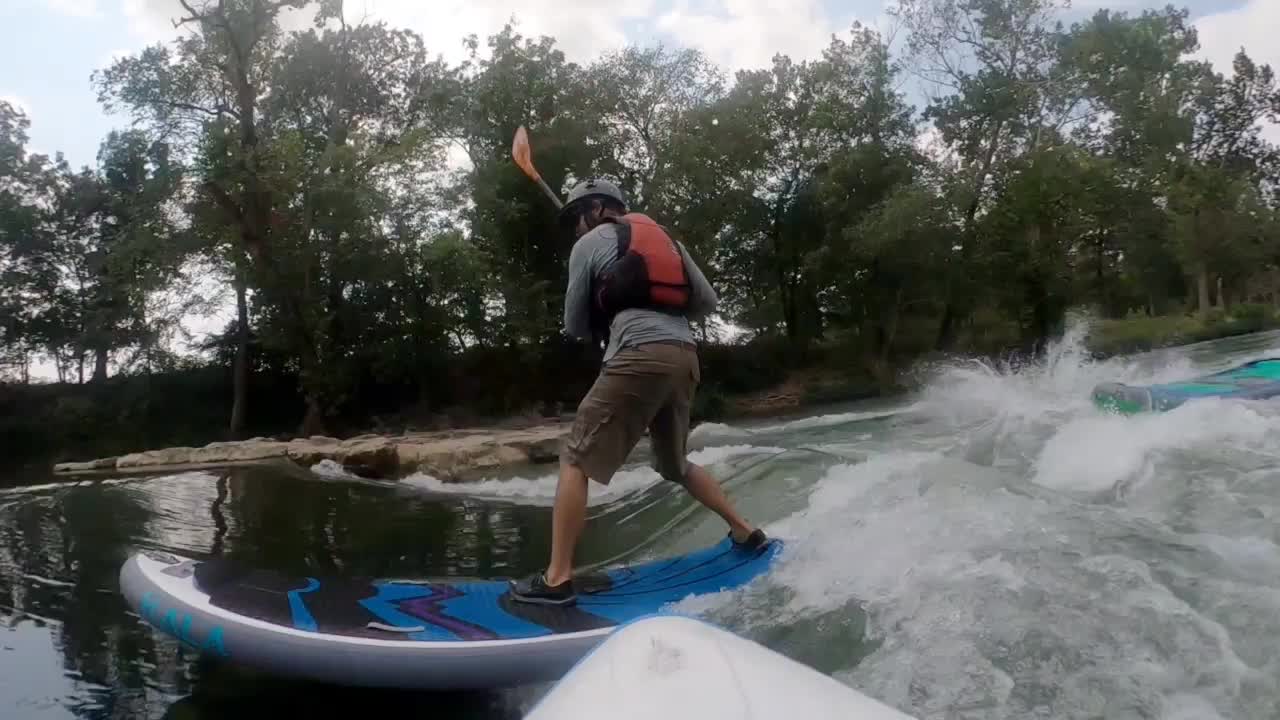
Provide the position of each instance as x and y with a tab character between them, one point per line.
591	256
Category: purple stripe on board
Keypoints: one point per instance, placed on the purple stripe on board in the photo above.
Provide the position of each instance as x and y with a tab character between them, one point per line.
428	608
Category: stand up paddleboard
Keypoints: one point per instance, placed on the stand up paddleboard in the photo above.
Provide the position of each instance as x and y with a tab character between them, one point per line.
433	634
677	667
1258	380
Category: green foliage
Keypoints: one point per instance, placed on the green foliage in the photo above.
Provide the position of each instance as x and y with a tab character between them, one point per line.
1253	316
131	413
1139	333
1097	165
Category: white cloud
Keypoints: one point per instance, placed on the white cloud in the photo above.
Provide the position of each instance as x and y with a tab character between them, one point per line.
1111	4
582	28
735	33
1252	27
74	8
18	103
151	21
746	34
930	143
456	157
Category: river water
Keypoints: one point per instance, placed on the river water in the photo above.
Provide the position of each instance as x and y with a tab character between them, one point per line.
989	547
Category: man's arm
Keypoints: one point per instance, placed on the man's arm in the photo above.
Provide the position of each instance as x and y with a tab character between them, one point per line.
703	300
577	297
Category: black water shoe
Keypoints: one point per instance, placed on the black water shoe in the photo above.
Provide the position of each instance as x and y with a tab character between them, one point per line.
756	540
536	591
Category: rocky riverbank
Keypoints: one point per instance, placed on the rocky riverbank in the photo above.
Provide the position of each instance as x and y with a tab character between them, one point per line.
447	455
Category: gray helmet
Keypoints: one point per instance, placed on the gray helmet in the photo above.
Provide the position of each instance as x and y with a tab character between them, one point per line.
594	188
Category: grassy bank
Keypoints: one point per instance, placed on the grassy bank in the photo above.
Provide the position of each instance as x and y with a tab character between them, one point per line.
1141	333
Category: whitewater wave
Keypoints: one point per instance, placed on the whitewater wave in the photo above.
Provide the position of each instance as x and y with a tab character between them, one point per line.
333	470
713	430
1023	554
981	598
541	490
1039	417
963	391
1099	451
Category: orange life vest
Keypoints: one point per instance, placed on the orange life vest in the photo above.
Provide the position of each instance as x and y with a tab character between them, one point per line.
649	271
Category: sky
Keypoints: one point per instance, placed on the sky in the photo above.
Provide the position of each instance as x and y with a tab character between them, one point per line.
48	48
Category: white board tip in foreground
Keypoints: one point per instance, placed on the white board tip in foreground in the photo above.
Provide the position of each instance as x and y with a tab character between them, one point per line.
673	667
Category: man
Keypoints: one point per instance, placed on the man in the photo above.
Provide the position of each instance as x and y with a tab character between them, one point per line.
628	276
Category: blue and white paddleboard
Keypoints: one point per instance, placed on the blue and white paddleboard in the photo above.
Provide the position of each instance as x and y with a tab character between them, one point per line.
434	634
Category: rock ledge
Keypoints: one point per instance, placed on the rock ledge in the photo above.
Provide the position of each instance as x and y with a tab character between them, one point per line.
445	455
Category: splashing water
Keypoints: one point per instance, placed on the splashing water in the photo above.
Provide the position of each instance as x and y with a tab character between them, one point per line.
1012	551
1015	552
1041	392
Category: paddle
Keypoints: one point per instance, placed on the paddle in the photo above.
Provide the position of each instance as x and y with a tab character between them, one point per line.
523	155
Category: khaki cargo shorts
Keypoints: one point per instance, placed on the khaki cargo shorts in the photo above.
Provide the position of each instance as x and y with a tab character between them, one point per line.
646	386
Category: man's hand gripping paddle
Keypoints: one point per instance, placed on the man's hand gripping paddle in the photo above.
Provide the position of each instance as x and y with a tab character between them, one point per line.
523	155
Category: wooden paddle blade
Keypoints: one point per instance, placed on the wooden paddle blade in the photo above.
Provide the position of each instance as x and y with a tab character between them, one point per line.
523	154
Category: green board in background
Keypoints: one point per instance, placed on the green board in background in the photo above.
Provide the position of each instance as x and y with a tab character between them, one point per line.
1257	380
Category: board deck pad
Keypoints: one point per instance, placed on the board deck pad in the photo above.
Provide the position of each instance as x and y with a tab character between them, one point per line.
1258	380
450	611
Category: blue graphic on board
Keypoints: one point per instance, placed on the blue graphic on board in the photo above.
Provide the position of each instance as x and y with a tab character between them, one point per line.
302	618
472	611
205	638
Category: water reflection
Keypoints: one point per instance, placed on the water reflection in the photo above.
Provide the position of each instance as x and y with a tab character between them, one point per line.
75	652
70	647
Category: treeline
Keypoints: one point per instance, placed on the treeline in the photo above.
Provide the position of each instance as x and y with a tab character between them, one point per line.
357	196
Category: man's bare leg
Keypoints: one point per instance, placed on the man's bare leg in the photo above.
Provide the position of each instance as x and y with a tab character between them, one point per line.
706	490
568	518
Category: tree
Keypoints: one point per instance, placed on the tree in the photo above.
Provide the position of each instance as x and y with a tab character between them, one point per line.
525	82
1007	94
298	172
137	251
1214	174
23	277
906	237
206	89
643	100
836	122
1187	140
